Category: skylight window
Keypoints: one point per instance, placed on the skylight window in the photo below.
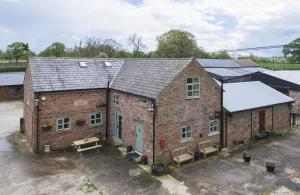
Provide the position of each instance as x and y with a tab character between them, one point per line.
108	64
82	64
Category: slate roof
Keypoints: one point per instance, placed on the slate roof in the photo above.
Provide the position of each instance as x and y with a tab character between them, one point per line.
292	76
226	63
60	74
13	78
147	77
251	95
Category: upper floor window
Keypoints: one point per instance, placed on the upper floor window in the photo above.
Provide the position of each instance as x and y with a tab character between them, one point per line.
142	100
63	124
213	127
186	132
96	119
116	99
193	87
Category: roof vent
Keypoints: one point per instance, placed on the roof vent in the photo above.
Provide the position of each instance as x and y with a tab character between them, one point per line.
82	64
107	64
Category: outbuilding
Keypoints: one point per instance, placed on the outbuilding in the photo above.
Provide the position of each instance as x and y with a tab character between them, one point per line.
11	86
253	108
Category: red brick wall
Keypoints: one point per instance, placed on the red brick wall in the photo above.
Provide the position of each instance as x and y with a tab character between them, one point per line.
132	111
175	111
29	108
77	105
239	124
296	105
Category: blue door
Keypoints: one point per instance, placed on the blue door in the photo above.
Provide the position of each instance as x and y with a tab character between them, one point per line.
139	138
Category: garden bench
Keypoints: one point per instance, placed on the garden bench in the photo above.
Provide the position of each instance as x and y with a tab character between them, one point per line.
182	154
208	147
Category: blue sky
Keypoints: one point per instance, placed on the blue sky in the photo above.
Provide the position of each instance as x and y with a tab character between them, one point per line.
218	24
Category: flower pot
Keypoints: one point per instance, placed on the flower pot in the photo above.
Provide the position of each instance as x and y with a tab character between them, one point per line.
247	159
270	167
46	128
158	170
197	156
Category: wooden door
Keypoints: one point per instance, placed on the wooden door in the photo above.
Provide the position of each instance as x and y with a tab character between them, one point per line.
262	121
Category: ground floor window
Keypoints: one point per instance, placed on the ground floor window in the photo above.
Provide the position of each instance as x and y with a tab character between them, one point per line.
186	132
63	124
96	119
213	127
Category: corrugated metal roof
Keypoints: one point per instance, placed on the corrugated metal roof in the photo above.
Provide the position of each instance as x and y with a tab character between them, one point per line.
13	78
292	76
221	63
250	95
234	72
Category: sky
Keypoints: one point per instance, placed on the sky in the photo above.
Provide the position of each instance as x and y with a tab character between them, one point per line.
216	24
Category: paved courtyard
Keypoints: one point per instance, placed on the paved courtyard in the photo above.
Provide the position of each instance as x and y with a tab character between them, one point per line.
22	172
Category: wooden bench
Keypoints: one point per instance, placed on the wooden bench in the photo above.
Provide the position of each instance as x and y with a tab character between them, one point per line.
208	147
182	154
81	145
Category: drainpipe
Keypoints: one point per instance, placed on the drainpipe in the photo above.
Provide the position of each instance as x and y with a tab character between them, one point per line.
107	109
37	106
222	117
153	123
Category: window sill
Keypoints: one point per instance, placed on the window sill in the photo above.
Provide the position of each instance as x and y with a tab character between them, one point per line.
63	131
215	133
191	98
186	140
95	125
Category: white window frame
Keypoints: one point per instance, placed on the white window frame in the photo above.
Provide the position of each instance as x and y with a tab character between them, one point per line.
116	99
192	90
214	123
95	119
186	133
63	123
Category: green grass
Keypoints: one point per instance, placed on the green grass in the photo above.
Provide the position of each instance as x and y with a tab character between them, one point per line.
279	66
13	61
12	69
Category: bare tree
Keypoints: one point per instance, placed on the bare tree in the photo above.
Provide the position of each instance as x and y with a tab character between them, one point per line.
136	43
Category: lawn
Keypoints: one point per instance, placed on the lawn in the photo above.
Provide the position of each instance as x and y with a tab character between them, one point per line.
279	66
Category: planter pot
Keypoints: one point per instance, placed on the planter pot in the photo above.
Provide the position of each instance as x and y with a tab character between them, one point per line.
247	159
46	148
46	128
129	148
158	170
270	167
197	156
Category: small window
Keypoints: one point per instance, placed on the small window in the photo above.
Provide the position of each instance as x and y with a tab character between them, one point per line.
116	99
193	87
96	119
18	90
214	126
186	132
63	124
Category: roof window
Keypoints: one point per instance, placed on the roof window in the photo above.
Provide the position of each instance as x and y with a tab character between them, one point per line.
82	64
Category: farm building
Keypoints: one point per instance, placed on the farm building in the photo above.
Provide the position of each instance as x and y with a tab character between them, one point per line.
11	86
253	108
134	102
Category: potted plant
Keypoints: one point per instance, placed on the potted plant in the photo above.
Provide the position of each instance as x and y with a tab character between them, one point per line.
80	122
159	167
270	166
247	156
46	127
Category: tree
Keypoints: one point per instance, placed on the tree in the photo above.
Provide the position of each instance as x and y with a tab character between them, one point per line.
177	44
292	51
17	50
137	45
220	55
56	49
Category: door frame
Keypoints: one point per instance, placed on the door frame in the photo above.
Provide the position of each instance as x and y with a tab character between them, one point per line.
142	140
117	133
262	118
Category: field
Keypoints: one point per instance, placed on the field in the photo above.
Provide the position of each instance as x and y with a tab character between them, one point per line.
279	66
13	61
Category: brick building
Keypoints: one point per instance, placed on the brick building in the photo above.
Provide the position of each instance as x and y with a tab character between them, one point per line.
136	102
11	86
153	105
253	108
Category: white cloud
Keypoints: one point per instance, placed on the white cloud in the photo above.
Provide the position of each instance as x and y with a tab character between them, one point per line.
223	24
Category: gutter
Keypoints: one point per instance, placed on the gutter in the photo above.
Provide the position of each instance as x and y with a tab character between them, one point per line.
107	109
153	123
